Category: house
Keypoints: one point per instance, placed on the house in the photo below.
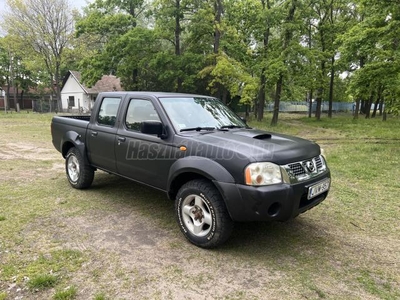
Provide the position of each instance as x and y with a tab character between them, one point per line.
76	96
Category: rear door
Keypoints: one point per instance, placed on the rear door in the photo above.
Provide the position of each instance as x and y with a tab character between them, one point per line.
101	134
143	157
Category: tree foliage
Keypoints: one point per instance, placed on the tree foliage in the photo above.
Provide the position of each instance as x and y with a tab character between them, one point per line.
247	52
46	27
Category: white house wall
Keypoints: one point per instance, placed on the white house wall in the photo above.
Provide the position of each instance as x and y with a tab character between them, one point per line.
73	88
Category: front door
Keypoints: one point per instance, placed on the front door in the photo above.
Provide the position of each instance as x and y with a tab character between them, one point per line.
143	157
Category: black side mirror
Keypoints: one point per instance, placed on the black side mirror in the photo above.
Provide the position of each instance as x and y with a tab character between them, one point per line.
153	127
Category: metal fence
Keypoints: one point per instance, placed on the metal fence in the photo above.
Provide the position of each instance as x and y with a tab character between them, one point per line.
44	105
303	106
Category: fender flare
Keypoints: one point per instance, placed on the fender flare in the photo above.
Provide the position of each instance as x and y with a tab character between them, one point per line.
75	139
199	165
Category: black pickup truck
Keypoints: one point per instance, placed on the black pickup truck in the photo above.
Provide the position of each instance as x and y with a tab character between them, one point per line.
216	169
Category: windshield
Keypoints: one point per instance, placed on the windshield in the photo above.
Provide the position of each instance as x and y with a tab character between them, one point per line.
198	113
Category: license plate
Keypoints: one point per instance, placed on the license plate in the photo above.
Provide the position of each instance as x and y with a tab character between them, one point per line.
318	188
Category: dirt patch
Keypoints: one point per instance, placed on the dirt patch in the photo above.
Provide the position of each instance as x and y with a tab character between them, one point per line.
131	258
26	151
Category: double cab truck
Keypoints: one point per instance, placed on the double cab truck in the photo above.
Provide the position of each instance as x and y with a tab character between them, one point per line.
215	167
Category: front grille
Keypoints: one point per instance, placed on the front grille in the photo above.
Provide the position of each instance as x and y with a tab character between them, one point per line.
306	169
318	162
297	169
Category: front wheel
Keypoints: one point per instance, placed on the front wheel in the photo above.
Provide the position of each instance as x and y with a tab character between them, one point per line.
202	214
79	174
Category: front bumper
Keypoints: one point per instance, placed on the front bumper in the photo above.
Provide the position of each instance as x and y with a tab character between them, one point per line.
269	203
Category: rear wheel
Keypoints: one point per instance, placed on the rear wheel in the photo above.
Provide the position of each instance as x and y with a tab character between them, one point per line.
79	174
202	214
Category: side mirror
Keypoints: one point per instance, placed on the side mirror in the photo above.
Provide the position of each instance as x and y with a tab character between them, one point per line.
153	127
243	119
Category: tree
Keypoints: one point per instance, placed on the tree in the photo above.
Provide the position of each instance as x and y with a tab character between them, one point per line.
372	50
14	69
106	26
46	26
286	41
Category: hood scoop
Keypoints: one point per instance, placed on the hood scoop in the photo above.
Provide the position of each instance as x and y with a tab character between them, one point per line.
255	134
263	136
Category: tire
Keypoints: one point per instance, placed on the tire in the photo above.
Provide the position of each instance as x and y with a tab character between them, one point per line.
79	174
202	215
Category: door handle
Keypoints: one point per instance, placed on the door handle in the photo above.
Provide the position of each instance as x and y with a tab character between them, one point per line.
94	133
121	139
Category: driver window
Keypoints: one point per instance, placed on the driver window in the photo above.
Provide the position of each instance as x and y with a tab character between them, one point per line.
139	110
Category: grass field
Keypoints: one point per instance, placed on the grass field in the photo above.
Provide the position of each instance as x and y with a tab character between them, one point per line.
120	240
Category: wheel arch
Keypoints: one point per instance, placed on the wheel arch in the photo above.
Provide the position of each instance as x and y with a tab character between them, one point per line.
191	168
70	140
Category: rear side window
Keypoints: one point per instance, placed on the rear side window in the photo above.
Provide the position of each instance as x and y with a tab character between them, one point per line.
138	111
108	111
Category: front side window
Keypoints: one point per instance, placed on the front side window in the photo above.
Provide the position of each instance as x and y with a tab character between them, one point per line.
139	110
108	111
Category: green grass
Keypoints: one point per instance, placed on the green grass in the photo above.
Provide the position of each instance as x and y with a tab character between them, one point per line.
66	294
42	281
100	296
122	238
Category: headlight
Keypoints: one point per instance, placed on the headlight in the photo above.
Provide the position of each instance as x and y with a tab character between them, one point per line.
264	173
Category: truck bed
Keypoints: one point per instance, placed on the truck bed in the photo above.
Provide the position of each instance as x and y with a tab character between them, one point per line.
62	125
78	117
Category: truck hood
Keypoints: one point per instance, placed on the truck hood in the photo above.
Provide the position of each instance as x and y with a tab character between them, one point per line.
257	145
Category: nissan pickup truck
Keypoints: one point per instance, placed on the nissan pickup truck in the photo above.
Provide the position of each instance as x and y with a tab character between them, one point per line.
215	167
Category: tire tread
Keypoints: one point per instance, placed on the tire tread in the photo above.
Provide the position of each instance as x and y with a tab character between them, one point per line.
224	222
86	175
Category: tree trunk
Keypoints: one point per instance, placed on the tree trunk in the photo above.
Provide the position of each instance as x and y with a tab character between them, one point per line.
368	105
278	92
15	97
319	104
7	101
21	99
321	83
363	105
217	32
376	104
356	109
57	86
178	31
135	71
218	8
12	81
287	37
261	97
332	80
263	79
310	97
255	107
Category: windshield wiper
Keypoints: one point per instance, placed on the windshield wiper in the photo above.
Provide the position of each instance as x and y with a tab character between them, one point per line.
231	126
197	129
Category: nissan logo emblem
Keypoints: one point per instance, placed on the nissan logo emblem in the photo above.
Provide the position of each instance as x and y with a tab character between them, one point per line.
310	166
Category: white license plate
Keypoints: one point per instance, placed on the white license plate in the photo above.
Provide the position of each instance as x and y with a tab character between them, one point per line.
318	188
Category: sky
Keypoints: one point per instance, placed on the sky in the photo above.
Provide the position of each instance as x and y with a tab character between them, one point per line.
78	4
74	3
